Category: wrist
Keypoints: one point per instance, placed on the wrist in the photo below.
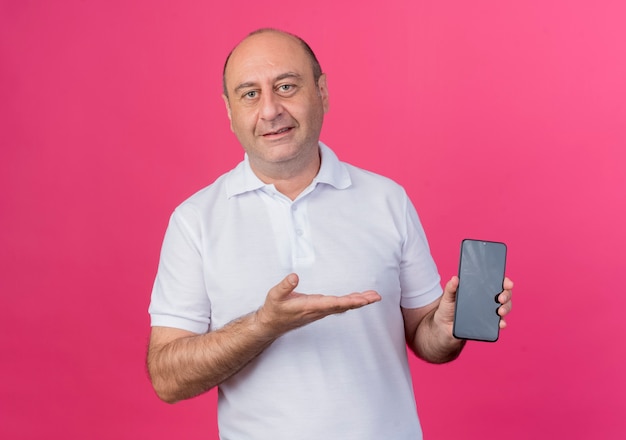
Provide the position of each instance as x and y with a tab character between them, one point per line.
264	326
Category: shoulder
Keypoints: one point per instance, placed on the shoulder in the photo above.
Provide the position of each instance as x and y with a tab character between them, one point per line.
374	183
206	199
220	189
344	175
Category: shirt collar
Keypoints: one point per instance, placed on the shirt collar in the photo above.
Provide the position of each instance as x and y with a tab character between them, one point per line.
332	172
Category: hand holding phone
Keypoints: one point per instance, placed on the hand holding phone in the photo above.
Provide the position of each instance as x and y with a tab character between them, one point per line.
481	274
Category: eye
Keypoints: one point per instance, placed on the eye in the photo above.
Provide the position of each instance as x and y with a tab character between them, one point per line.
251	94
286	89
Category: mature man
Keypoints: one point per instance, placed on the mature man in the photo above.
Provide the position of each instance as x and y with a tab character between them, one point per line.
289	363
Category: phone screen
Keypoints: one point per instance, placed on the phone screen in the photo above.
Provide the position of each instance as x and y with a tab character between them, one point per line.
481	274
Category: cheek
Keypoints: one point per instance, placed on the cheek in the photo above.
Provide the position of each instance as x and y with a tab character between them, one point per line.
315	117
241	121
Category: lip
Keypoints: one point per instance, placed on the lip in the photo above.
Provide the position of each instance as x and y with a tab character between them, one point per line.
278	132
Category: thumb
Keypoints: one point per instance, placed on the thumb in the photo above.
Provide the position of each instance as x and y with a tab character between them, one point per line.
445	310
449	291
286	285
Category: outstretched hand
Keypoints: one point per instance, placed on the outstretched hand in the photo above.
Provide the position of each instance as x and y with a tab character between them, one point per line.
285	309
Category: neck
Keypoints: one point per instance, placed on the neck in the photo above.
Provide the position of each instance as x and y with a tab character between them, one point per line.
289	178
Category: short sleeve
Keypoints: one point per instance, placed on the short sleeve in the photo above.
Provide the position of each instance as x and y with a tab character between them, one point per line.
179	297
419	278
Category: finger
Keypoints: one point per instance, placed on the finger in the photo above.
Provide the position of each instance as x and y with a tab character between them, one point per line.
292	279
371	296
504	309
505	297
449	291
329	304
356	300
286	286
507	284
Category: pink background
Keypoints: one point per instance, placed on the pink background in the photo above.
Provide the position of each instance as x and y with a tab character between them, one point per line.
503	120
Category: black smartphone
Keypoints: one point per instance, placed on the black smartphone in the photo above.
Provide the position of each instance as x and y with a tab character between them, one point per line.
481	275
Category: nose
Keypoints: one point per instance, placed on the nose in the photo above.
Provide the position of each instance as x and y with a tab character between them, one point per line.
270	106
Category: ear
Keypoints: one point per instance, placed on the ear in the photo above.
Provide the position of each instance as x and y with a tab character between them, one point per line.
230	117
322	89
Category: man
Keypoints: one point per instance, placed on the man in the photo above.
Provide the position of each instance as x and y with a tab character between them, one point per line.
289	363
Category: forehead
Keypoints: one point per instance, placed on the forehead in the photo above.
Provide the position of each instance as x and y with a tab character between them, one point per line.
265	56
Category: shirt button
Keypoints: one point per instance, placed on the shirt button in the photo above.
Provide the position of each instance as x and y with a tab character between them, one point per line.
299	232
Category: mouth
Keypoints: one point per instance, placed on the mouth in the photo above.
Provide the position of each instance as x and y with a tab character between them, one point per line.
277	132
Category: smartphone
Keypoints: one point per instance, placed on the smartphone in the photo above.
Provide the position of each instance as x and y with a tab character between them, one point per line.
481	275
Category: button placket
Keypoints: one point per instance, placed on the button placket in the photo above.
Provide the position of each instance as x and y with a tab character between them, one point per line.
302	246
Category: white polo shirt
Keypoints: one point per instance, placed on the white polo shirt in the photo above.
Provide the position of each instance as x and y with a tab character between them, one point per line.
343	377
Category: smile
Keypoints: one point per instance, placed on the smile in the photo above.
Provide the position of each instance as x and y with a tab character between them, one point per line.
281	131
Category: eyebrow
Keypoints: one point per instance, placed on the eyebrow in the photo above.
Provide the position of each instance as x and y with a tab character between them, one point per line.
280	77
